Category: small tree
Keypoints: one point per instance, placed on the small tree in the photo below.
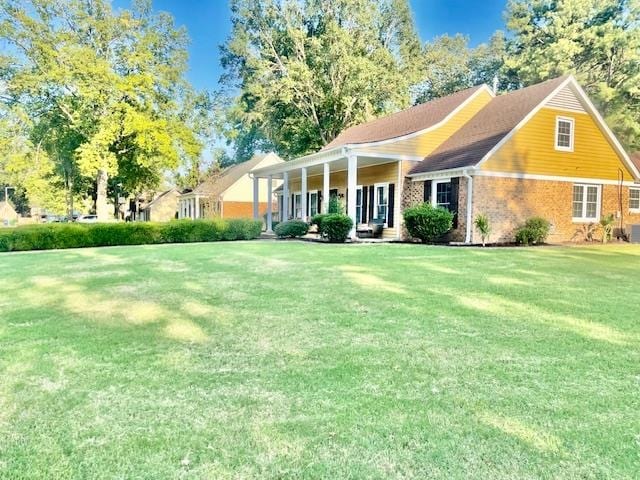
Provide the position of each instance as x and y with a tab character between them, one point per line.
426	222
482	224
335	205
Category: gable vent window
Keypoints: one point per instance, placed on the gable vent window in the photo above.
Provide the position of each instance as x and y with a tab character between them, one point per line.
564	134
634	199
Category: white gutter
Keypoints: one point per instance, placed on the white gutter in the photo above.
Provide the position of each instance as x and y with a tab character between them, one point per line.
469	178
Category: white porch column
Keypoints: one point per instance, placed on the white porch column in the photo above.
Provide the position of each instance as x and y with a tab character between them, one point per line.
197	206
303	194
325	186
285	197
256	198
269	204
352	183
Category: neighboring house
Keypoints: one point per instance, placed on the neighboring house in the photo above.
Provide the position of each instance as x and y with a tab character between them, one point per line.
8	216
542	151
230	193
162	208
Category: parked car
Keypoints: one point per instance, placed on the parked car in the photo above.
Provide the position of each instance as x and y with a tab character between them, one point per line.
87	219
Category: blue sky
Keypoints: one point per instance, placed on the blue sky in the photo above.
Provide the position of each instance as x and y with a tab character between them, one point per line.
207	22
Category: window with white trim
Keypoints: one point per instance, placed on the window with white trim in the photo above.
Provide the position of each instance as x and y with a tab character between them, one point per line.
381	200
634	199
564	134
442	194
313	203
586	203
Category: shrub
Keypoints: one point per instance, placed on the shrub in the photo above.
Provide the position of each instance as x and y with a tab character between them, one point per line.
317	220
242	229
607	227
426	222
482	224
534	231
73	235
336	227
291	229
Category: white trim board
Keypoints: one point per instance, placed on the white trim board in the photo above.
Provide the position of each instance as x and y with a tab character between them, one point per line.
550	178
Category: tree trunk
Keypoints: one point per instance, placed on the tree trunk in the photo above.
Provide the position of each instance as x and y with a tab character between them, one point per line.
101	196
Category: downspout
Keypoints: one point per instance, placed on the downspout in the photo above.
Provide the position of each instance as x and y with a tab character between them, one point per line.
469	178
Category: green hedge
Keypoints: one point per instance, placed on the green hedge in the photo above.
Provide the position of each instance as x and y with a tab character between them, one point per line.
291	229
75	235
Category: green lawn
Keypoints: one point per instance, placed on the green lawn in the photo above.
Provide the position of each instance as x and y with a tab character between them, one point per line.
287	359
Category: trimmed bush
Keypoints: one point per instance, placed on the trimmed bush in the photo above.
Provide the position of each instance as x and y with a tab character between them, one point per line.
291	229
75	235
426	222
317	220
535	230
336	227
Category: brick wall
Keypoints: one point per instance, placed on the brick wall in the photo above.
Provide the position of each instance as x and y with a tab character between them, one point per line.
413	194
509	202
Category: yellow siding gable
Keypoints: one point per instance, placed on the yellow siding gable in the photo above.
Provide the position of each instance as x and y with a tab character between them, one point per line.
425	143
532	150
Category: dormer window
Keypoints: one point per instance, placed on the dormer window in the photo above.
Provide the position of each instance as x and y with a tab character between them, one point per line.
564	134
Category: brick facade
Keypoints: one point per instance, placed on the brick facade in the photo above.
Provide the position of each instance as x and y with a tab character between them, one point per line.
509	202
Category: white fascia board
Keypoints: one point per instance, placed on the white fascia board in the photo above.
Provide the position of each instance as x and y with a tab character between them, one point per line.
603	125
451	172
550	178
306	161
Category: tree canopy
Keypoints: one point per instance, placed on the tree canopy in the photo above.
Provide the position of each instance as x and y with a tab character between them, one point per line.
597	40
305	70
103	89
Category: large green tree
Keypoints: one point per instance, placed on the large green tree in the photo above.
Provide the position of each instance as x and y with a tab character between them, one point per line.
597	40
103	89
305	70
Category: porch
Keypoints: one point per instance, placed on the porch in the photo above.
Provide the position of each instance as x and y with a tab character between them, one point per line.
309	182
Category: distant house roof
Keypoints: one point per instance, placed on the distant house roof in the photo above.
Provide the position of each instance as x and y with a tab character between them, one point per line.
478	136
407	121
7	211
217	184
159	198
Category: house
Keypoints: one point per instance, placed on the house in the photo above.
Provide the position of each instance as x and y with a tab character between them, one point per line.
230	194
162	208
8	216
542	151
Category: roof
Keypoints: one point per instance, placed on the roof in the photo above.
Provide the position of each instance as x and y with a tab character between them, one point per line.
7	210
159	197
487	128
407	121
217	184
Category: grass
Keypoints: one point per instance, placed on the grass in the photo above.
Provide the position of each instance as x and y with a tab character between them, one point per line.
284	359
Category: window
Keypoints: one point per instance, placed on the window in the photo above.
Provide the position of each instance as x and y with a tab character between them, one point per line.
564	134
586	203
442	194
297	205
634	199
313	203
381	200
359	205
